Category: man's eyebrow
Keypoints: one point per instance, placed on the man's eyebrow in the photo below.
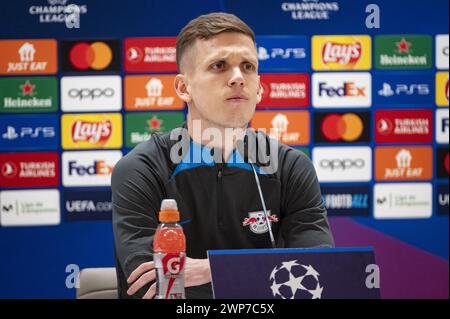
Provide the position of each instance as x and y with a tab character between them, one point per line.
217	56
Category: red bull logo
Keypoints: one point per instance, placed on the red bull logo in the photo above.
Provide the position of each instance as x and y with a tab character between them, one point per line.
257	221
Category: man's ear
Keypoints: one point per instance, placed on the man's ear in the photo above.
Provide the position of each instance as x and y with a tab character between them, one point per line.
260	91
181	88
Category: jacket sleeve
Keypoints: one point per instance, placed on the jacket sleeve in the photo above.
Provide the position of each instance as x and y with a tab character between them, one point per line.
136	196
304	222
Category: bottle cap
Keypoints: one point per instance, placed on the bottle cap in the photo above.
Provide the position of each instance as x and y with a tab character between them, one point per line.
169	211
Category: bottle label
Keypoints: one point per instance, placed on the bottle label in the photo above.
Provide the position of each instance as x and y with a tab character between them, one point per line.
169	275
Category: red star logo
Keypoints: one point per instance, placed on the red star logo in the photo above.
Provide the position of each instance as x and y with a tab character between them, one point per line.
27	88
403	46
154	124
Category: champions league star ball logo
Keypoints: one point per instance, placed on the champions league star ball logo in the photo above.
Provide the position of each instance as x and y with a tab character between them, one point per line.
292	280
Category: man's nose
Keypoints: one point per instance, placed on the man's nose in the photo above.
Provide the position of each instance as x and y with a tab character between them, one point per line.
237	79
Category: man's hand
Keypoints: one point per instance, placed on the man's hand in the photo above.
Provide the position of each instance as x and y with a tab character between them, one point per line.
196	273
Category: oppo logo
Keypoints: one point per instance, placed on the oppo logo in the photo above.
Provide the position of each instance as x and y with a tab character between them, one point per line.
342	164
91	93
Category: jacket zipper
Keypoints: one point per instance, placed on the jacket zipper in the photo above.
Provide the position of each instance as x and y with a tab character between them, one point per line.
219	194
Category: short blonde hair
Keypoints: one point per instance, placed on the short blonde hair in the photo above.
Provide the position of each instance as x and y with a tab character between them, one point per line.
207	26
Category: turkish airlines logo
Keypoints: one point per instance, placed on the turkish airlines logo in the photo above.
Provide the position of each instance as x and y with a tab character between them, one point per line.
285	90
404	126
134	54
93	132
343	164
9	170
342	127
341	53
156	54
29	169
412	163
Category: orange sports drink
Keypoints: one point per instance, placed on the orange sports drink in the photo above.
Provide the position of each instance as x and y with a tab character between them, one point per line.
169	247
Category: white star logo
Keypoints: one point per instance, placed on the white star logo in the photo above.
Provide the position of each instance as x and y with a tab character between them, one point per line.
288	265
275	289
311	271
295	284
316	293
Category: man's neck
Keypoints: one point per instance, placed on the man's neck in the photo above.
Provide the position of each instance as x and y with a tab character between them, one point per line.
215	136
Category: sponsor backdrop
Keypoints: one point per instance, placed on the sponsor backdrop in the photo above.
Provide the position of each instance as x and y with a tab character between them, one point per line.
362	89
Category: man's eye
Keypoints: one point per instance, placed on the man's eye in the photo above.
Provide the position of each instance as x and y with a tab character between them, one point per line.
218	66
249	67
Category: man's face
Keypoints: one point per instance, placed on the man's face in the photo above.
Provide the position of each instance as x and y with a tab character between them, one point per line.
221	76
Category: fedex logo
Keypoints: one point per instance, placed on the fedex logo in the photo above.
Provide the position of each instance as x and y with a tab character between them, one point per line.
90	168
337	90
97	168
348	89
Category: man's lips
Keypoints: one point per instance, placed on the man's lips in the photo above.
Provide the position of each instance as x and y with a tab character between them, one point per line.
237	98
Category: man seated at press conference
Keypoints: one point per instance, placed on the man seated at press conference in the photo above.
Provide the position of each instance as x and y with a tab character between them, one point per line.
218	196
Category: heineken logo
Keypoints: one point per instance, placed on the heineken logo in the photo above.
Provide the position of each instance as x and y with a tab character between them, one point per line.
403	52
27	88
36	94
140	127
403	46
154	124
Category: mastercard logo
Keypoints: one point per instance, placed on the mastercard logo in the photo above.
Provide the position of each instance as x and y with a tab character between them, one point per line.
347	127
97	55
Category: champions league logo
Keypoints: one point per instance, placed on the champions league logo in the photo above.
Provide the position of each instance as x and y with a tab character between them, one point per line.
59	11
292	280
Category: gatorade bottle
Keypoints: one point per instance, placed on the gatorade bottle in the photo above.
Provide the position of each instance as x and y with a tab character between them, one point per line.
169	246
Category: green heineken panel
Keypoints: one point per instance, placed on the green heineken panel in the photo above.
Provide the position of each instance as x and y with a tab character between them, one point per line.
139	127
28	94
403	52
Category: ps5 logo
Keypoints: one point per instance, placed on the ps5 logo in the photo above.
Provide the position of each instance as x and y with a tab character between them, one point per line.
405	89
296	53
31	132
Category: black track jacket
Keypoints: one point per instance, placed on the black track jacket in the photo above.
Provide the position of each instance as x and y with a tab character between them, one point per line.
219	203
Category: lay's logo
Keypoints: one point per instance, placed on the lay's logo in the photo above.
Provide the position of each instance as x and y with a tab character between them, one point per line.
341	52
92	131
